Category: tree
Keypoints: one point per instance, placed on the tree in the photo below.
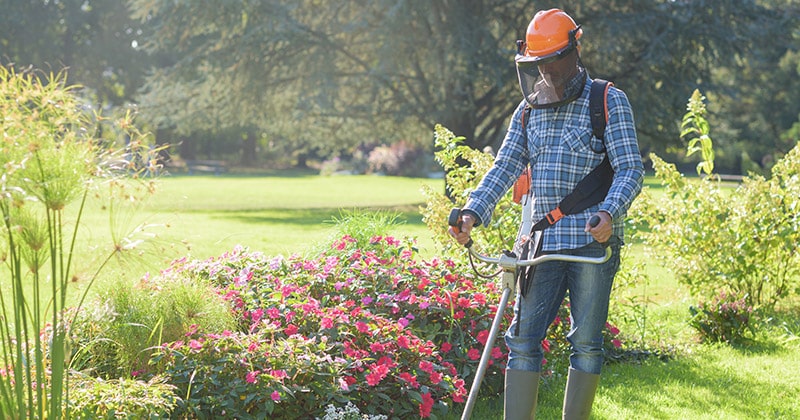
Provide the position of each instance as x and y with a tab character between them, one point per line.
329	74
92	39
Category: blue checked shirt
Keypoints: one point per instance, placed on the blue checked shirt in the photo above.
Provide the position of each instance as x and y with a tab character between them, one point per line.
558	149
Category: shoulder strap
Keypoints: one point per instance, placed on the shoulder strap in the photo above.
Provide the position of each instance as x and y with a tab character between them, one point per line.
598	106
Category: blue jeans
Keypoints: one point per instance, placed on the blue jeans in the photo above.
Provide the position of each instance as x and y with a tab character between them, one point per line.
589	287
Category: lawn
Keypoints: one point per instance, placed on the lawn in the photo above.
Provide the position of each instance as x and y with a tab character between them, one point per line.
205	216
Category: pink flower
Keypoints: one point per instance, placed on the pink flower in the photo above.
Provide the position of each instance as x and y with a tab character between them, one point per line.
376	347
446	347
616	343
326	322
276	396
426	406
252	377
362	327
546	345
195	345
290	329
612	329
403	342
278	374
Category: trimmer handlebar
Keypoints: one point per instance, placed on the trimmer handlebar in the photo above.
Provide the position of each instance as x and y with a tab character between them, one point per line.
454	220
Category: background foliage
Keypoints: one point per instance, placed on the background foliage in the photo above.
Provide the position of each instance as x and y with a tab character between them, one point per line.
289	83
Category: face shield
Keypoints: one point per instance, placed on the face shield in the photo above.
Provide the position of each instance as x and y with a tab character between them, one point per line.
546	82
550	79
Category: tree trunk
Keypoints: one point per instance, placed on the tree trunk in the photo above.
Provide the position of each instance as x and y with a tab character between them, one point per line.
249	157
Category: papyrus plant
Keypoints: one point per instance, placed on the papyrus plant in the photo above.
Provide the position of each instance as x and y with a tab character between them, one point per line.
50	160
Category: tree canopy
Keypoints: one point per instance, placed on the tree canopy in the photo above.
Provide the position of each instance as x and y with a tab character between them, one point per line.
328	76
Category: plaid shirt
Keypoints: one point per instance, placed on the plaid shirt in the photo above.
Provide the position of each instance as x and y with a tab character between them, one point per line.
559	148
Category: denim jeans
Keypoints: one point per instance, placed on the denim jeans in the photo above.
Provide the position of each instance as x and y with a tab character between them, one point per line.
589	287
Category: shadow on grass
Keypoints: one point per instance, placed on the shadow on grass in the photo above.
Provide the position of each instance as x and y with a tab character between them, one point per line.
406	215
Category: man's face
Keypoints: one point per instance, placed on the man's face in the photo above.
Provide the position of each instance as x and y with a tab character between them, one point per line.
558	73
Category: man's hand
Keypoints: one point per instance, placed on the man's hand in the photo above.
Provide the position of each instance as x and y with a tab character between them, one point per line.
462	235
602	231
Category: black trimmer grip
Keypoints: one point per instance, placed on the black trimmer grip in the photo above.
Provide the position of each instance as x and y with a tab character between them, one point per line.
454	220
593	222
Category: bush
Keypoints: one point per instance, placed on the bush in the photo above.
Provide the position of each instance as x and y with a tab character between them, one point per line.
726	318
464	168
398	159
94	398
745	240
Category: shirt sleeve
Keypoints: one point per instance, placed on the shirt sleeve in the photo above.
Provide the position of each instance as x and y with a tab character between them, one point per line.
511	160
623	152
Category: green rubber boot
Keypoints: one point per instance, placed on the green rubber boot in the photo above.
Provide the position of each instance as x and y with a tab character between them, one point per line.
579	394
522	392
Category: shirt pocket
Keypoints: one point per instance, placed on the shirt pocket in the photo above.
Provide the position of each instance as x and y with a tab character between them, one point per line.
577	139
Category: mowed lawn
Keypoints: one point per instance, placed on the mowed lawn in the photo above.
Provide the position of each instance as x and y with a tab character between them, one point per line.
200	217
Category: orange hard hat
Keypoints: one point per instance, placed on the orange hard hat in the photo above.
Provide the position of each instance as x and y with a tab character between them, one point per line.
551	32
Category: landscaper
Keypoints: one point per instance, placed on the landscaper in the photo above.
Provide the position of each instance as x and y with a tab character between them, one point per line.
552	132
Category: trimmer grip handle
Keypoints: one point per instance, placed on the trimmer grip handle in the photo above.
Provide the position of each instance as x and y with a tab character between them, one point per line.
454	220
593	222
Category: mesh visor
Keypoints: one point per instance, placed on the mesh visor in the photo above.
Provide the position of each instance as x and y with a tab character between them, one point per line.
543	80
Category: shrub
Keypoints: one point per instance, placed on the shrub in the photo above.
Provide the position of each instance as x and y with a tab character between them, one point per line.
94	398
726	318
398	159
745	240
464	168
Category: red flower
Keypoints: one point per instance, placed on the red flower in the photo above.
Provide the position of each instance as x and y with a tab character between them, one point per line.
497	353
483	336
426	366
426	406
411	379
446	347
376	375
474	354
436	377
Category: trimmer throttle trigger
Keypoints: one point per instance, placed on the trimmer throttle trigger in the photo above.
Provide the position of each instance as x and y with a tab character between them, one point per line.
454	220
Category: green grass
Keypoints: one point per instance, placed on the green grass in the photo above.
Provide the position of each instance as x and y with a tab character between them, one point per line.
205	216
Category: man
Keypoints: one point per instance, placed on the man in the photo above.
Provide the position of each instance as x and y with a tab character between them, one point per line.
554	136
